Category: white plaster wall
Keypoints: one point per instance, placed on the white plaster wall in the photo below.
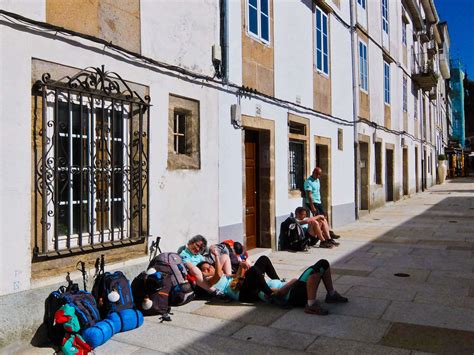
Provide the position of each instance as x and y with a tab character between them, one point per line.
293	50
180	32
182	203
34	9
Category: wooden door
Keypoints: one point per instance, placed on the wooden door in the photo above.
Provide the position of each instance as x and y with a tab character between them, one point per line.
251	188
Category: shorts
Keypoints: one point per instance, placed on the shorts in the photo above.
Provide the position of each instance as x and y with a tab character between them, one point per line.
319	208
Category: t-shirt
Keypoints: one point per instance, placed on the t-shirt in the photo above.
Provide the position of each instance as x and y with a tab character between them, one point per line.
312	184
273	284
223	285
189	257
303	226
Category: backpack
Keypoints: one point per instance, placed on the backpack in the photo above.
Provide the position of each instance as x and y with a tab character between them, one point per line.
181	289
83	302
112	292
297	240
151	291
284	243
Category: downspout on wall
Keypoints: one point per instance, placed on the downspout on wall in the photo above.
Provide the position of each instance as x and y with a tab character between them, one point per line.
354	111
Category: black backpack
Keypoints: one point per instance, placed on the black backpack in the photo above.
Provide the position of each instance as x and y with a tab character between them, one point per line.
83	302
151	292
108	285
292	235
171	264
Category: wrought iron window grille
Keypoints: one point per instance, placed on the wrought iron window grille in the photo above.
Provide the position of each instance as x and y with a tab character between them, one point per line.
91	133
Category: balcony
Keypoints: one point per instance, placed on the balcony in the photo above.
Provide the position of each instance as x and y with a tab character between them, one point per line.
415	12
444	62
423	71
431	49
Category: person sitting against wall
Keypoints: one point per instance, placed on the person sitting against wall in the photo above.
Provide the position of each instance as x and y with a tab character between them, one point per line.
316	228
192	256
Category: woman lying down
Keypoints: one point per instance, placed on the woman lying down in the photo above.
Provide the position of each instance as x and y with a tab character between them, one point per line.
250	283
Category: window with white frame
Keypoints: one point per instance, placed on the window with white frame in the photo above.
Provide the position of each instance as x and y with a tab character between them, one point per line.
385	16
405	94
93	171
361	3
363	68
297	154
386	82
259	19
322	44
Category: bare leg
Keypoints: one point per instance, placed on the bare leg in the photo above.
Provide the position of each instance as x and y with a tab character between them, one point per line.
325	228
285	288
225	264
327	280
312	285
315	229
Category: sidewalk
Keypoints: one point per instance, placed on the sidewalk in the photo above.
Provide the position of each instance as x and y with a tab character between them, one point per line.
430	237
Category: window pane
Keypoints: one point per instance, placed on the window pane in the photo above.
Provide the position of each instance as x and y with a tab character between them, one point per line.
253	20
117	214
253	3
63	219
118	125
181	145
296	165
265	27
325	64
118	185
63	186
63	152
118	154
264	6
76	222
63	117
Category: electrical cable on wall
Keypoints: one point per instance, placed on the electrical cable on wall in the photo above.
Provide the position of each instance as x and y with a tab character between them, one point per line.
238	90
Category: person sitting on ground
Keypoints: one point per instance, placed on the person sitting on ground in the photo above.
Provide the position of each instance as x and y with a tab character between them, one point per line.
192	256
315	228
302	292
312	189
247	283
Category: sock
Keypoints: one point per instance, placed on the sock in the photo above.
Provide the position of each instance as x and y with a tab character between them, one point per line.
332	293
311	302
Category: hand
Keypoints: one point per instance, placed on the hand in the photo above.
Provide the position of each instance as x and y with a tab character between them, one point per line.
213	251
244	265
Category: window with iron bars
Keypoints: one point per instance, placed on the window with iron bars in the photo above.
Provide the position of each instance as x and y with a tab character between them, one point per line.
92	164
296	164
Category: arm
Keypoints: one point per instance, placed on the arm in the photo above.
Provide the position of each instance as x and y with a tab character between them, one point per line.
193	270
309	195
217	268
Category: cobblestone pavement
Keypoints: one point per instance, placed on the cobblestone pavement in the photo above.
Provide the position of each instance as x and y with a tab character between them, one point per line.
429	236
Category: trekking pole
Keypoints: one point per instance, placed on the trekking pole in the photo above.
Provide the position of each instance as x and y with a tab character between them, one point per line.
102	263
84	273
154	247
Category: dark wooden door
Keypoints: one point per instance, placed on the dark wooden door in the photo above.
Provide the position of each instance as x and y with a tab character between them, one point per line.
251	188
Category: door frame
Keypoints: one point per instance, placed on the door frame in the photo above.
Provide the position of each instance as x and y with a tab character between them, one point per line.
267	161
326	141
364	139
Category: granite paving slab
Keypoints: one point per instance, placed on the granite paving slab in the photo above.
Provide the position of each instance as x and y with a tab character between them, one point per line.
333	325
381	293
326	345
276	337
431	315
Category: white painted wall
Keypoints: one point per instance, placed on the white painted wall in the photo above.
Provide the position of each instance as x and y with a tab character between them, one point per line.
181	32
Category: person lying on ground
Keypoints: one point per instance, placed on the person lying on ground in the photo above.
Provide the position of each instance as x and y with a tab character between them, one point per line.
302	292
315	228
246	284
192	256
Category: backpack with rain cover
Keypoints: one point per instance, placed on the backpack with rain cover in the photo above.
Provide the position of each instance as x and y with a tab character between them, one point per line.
292	235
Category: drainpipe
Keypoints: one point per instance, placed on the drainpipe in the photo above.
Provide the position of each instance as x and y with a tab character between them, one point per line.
422	144
224	39
354	111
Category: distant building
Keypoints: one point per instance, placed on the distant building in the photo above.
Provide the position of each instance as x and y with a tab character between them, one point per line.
457	98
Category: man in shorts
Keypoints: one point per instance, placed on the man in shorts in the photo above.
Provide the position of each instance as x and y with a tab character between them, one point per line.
316	228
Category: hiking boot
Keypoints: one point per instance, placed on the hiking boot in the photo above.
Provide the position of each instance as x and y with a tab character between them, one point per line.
334	235
333	242
336	298
316	309
325	244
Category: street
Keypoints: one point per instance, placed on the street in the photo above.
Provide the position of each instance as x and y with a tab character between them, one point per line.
428	237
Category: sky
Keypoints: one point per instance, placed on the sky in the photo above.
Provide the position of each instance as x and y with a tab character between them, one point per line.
460	17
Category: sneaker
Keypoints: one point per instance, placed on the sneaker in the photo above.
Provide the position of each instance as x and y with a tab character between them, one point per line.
325	244
316	309
334	235
333	242
336	298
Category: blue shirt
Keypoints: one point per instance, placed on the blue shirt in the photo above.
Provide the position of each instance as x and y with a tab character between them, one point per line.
189	257
273	284
223	285
312	184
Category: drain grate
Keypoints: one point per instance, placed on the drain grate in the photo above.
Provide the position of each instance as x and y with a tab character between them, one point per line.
453	221
401	274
